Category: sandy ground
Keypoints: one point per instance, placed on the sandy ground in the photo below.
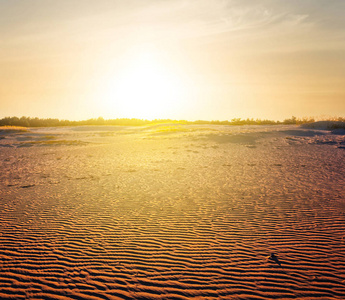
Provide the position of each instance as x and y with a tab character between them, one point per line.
172	212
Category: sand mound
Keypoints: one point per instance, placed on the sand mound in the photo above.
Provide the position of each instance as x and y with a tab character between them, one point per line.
325	125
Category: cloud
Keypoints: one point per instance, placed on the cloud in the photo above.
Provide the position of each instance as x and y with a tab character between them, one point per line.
181	20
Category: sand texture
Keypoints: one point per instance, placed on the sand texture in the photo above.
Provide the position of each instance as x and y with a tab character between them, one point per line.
172	212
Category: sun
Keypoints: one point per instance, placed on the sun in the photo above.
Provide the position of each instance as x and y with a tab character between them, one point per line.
147	87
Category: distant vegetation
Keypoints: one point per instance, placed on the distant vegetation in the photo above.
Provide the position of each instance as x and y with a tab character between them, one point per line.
37	122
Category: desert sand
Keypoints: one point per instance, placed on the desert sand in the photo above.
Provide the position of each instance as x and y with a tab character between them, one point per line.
172	212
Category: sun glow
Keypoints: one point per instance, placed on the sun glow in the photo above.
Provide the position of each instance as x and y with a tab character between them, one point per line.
147	87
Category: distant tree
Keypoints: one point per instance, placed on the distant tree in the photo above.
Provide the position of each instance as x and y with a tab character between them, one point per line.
291	121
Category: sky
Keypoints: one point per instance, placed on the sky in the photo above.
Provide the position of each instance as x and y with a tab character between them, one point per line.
178	59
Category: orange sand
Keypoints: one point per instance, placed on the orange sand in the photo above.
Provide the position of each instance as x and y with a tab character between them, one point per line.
172	213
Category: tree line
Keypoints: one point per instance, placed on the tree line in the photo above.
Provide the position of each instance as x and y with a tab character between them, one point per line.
50	122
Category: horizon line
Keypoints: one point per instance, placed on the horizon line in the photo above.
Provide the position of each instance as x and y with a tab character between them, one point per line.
52	122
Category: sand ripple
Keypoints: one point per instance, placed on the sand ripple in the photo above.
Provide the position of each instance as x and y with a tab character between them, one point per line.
192	214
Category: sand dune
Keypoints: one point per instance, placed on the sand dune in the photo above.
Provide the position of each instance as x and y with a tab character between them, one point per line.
172	212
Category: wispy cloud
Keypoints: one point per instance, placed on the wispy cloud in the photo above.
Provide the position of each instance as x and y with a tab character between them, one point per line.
190	19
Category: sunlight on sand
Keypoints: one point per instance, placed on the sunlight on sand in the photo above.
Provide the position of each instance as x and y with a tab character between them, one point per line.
172	211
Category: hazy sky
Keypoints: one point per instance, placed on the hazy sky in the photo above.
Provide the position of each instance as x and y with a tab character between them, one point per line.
180	59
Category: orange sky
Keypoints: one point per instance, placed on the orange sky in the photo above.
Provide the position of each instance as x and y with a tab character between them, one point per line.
172	59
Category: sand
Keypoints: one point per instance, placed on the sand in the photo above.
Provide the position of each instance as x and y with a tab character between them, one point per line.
172	212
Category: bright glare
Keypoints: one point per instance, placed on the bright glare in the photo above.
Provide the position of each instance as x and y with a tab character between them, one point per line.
146	88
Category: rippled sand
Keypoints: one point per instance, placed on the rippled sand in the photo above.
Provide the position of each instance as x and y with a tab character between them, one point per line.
172	212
